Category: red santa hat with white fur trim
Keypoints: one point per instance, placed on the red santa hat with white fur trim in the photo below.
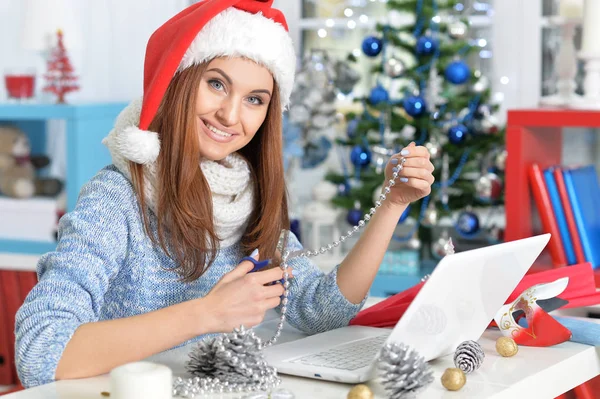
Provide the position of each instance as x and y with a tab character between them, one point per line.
208	29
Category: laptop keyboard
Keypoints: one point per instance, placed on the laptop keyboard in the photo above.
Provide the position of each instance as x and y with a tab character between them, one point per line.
350	356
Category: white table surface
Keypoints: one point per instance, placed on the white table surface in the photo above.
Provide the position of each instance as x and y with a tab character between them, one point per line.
534	372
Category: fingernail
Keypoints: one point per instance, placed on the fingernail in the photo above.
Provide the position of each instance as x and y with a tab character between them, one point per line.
404	152
404	179
394	161
254	253
296	273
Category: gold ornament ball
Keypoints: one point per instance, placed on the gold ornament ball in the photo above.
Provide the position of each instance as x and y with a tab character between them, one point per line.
506	346
360	391
453	379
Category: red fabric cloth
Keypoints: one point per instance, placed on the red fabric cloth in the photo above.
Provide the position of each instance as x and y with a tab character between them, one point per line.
581	291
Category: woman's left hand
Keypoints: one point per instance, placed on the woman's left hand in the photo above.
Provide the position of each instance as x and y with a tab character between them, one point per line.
414	180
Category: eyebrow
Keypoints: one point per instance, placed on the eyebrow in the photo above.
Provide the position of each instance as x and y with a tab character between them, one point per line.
228	79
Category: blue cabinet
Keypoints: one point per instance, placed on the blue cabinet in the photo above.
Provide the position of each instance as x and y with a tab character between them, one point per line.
86	126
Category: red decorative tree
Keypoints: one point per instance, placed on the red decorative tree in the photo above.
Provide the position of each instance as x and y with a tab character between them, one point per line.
60	79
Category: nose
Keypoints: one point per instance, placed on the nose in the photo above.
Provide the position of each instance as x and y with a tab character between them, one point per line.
229	111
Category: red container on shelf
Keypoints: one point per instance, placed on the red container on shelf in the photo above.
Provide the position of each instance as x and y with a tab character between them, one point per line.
20	83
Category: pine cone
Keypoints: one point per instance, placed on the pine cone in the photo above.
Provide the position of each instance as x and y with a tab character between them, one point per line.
469	356
403	371
235	358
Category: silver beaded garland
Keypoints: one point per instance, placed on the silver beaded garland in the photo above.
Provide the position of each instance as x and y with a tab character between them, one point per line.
233	362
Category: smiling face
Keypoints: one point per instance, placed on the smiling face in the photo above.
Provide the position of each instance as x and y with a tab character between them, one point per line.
231	105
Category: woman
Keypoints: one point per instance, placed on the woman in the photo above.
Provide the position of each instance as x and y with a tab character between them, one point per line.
147	261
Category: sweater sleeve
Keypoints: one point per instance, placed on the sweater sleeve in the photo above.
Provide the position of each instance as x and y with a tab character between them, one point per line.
316	303
74	278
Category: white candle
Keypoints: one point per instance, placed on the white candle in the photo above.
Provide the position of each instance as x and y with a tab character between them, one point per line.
141	380
571	9
591	28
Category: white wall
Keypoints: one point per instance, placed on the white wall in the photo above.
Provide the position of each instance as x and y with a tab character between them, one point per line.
114	36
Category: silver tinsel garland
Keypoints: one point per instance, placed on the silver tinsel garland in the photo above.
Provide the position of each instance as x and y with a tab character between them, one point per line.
469	356
403	371
227	363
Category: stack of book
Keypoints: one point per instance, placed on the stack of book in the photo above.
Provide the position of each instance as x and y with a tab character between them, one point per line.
568	202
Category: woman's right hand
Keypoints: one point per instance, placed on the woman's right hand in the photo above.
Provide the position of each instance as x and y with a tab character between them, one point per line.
242	298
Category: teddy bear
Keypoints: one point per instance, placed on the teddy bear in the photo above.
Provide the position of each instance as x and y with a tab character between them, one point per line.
18	177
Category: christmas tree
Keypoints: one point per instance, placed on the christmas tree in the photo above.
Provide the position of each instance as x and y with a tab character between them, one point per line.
426	92
60	78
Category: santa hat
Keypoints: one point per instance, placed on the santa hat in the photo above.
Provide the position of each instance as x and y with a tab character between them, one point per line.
203	31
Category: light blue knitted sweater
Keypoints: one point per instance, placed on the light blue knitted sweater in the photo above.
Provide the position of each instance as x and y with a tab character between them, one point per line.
105	267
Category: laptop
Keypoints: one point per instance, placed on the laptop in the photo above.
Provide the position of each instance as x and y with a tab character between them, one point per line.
456	304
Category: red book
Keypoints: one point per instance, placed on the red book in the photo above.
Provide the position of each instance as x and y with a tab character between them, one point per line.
6	366
544	206
571	223
12	301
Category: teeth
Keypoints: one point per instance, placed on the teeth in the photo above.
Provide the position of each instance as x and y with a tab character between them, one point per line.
217	131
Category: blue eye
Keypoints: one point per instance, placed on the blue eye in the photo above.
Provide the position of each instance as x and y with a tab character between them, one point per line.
217	85
255	100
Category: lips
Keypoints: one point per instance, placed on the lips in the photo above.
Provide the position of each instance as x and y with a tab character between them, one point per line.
215	133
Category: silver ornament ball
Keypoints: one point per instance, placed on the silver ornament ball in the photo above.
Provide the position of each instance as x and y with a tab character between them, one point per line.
458	30
414	243
490	124
481	85
394	67
500	160
488	187
434	148
438	248
299	114
430	217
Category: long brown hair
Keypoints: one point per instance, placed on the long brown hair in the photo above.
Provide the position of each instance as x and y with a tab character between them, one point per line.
185	229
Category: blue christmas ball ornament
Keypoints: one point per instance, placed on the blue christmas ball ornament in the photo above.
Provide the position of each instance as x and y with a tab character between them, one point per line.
354	216
458	133
457	72
360	156
467	224
378	95
372	46
414	105
426	45
352	127
404	215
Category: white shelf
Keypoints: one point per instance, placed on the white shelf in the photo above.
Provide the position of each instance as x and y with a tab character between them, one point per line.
31	219
18	262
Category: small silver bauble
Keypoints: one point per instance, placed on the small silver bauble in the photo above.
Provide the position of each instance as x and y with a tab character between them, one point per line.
321	121
458	30
430	216
481	85
414	243
434	148
489	124
500	160
394	67
488	187
395	19
438	249
299	114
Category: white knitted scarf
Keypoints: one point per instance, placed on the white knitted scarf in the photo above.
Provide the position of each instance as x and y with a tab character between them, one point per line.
229	180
